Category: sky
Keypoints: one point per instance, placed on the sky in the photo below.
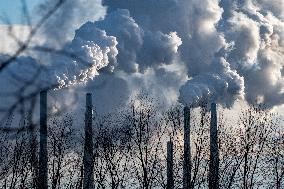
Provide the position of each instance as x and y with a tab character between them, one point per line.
177	51
12	9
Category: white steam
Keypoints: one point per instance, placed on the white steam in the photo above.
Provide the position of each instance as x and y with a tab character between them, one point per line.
93	50
231	49
77	63
175	50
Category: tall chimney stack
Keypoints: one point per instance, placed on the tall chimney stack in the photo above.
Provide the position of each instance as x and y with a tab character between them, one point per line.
170	164
187	154
33	146
214	151
43	160
88	147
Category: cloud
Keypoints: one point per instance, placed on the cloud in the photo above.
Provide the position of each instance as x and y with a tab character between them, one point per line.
91	49
8	43
95	50
143	59
60	27
256	29
231	49
174	50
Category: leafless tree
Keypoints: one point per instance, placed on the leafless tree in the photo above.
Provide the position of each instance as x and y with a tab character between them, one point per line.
130	150
17	170
61	142
111	157
273	168
243	149
146	137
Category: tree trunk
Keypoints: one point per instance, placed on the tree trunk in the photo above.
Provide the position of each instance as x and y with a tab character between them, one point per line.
88	182
214	151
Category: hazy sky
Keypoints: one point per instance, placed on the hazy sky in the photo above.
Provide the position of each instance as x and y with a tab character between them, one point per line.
176	50
12	9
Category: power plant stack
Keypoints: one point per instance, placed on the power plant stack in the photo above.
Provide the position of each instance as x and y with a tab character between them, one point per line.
214	151
43	160
170	163
33	149
187	153
88	147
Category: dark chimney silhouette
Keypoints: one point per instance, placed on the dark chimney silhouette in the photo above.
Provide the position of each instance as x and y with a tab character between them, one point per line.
43	160
33	147
187	153
170	163
214	151
88	164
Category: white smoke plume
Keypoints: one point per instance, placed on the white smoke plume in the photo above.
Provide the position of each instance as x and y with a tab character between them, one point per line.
174	50
147	62
201	53
60	27
91	49
256	28
232	49
139	48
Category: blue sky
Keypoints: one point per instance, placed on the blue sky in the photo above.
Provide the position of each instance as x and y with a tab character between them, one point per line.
12	9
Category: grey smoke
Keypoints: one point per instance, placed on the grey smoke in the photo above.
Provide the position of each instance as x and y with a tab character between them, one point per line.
72	14
96	50
232	49
92	49
138	48
147	62
202	51
175	50
257	29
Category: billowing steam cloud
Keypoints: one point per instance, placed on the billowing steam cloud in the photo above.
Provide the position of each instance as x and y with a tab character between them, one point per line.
231	49
256	29
72	14
90	50
139	48
93	50
147	62
78	62
177	50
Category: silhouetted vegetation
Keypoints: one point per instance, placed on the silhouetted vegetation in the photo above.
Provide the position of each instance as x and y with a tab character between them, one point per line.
130	150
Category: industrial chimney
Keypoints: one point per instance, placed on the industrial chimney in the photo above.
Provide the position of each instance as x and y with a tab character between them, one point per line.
214	151
170	164
187	154
88	146
32	147
43	161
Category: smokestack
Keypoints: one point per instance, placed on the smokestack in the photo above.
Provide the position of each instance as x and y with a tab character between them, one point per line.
43	168
187	154
214	151
33	146
88	147
170	172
